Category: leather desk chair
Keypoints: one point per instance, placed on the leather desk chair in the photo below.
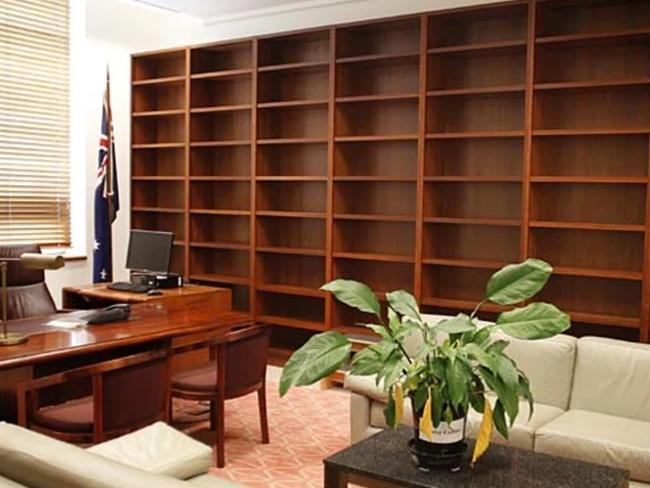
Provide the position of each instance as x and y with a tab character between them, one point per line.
27	293
127	393
240	369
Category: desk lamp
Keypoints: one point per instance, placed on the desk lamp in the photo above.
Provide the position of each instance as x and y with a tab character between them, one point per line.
29	261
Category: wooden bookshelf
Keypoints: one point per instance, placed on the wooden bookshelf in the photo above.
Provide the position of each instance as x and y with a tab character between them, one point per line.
421	152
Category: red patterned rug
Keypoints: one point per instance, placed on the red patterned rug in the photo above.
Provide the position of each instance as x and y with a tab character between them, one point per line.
305	426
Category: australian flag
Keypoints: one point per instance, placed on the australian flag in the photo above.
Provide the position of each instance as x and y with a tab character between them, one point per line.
107	201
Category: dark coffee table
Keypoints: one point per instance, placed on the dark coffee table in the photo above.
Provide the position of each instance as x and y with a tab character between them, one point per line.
384	461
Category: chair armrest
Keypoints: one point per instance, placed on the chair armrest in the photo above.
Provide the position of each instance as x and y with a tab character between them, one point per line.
365	385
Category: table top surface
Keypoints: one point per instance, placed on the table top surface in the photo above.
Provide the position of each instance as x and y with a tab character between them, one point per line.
101	290
385	456
149	321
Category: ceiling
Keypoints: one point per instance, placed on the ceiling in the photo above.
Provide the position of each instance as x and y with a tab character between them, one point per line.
217	8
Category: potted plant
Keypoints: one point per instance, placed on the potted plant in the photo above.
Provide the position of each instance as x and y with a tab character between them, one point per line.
460	364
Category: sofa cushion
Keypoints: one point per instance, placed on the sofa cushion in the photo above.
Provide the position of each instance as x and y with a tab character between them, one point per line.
611	377
599	438
159	449
39	461
522	433
548	364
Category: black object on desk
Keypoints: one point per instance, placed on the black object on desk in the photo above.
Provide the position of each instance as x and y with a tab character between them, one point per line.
113	313
385	460
128	286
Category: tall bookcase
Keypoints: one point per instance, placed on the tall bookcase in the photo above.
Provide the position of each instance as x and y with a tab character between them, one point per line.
420	152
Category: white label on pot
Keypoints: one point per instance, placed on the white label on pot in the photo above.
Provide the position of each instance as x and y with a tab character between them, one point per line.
447	433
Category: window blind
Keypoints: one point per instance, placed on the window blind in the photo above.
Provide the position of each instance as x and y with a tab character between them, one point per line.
34	122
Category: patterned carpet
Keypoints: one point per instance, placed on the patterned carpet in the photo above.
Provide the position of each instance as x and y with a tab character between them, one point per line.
305	426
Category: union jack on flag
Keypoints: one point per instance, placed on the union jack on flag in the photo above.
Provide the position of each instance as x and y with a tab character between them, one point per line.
107	199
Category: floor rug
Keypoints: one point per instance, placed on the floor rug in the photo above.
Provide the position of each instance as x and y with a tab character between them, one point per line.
305	426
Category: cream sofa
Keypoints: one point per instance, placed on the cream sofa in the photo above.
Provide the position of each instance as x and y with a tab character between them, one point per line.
156	456
592	401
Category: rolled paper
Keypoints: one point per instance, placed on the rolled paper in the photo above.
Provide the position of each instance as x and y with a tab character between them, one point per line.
41	261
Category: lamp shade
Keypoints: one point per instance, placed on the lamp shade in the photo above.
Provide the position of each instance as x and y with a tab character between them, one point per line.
41	261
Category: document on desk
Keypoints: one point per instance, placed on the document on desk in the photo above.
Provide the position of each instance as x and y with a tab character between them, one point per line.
70	323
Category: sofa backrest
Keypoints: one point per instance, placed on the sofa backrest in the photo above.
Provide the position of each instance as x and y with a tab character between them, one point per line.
38	461
548	363
612	377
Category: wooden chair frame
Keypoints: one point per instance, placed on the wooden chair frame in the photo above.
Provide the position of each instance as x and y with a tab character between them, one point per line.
27	396
218	398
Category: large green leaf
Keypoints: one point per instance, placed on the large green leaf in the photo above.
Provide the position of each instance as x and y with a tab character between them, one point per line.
509	398
499	419
354	294
456	382
404	303
535	321
507	371
366	362
484	359
321	355
515	283
457	325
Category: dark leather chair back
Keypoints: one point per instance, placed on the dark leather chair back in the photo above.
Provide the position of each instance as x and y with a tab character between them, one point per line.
135	395
245	356
27	293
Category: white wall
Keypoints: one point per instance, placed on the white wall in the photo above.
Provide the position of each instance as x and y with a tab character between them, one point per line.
107	32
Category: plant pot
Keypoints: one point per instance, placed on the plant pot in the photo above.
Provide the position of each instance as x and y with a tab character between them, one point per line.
445	450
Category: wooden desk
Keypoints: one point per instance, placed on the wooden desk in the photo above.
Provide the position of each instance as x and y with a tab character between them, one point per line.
153	324
99	295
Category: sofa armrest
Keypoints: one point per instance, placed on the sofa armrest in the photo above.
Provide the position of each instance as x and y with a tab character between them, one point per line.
365	385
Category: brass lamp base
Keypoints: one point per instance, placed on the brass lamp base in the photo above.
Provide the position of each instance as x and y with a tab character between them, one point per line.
12	339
